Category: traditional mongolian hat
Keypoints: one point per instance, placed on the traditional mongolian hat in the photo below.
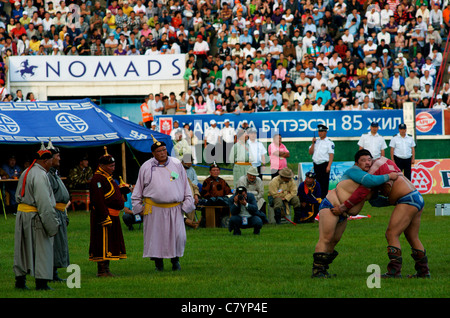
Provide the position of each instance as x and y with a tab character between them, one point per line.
54	150
214	165
42	154
106	159
310	174
125	188
157	144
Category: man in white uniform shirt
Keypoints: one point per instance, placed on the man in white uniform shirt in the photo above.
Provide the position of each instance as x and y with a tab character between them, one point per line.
228	137
322	151
403	150
257	151
373	142
211	141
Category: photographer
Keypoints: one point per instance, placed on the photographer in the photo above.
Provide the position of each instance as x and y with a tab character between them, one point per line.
244	212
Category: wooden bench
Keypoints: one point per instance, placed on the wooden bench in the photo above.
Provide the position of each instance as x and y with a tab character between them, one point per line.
210	214
80	197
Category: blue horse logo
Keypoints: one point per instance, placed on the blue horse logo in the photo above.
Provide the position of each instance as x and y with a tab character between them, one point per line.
26	69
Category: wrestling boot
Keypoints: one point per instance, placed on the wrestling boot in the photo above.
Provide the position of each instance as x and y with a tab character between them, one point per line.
395	264
421	266
21	282
175	264
159	264
41	284
56	278
320	265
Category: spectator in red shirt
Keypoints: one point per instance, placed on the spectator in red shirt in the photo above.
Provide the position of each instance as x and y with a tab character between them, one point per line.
17	32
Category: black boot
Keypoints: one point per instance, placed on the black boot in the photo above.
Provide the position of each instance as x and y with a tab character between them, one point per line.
56	278
421	266
175	264
41	284
21	282
102	269
159	264
297	215
108	272
277	216
320	264
395	264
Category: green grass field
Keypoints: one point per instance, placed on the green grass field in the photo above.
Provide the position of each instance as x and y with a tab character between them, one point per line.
275	264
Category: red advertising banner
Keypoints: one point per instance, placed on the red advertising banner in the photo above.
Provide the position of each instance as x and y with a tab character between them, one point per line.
165	125
431	176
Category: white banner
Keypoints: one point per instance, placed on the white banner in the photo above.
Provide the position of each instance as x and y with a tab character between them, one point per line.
96	68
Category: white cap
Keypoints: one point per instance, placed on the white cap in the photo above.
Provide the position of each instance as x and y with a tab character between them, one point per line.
439	97
212	122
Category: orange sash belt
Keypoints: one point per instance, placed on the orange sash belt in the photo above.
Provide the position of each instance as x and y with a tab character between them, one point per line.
243	163
113	212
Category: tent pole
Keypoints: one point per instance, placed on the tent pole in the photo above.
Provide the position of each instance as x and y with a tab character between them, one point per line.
124	165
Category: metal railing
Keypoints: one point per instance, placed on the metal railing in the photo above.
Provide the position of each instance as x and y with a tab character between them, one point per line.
441	73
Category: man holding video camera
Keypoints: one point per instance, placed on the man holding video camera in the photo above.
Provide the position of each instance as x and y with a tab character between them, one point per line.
244	212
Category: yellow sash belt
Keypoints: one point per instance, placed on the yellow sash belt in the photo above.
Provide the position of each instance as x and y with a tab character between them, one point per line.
22	207
149	203
61	207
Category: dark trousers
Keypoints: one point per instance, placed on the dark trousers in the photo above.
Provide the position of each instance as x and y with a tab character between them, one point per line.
404	165
260	172
254	222
129	220
323	177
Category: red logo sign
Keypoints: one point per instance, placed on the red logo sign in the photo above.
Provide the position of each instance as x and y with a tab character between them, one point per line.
425	122
421	176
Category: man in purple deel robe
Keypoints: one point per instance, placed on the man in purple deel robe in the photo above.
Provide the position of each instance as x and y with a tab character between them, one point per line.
162	196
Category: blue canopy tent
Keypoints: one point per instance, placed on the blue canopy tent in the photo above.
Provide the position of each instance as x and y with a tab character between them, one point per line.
72	123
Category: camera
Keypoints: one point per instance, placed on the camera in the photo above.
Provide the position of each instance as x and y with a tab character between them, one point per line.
240	197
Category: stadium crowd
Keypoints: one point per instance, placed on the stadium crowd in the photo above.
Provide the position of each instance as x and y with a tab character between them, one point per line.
254	55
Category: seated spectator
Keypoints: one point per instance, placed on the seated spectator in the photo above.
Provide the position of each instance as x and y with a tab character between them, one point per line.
215	191
309	193
282	190
439	103
80	176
